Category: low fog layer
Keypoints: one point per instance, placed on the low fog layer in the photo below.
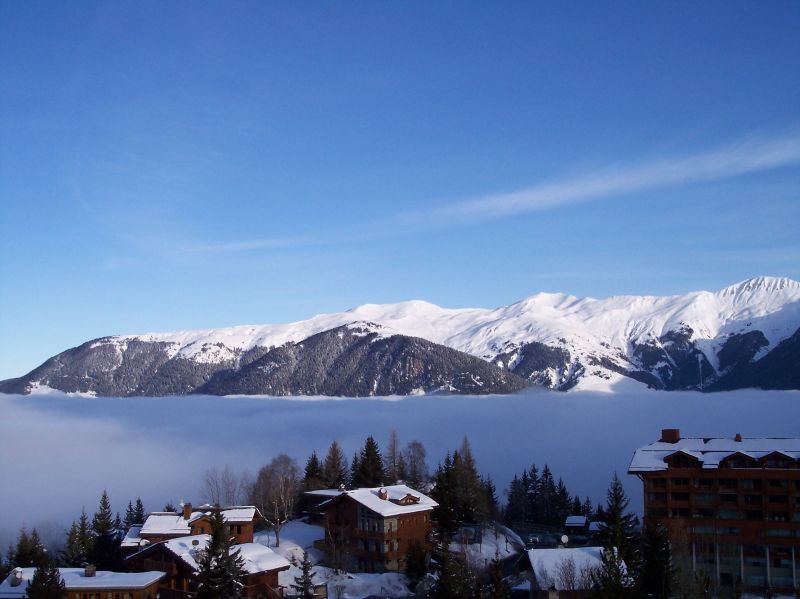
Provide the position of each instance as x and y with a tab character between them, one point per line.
58	453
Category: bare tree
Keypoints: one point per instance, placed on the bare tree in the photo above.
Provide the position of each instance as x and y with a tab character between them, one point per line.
566	575
275	490
415	464
224	487
393	457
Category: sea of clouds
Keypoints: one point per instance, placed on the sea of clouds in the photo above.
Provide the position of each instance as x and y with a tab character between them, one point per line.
58	453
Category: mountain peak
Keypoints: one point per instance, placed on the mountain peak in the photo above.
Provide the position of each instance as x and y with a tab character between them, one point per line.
763	283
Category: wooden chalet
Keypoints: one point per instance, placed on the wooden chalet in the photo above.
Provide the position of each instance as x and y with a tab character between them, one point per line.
88	583
177	558
370	530
162	526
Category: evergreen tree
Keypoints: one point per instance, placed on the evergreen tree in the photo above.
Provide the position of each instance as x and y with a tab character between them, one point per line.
492	503
563	503
352	483
497	587
617	525
29	551
46	582
530	484
444	494
656	576
334	468
516	504
139	515
588	509
402	468
130	516
168	507
85	536
304	584
105	552
416	561
611	580
370	471
313	475
221	571
74	554
454	581
547	513
577	507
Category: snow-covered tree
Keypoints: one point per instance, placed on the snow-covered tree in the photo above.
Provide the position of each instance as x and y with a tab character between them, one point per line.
46	582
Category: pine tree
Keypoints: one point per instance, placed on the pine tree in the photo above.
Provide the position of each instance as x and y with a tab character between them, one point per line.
105	551
492	503
547	513
304	584
313	475
416	561
611	580
29	551
168	507
370	470
221	571
588	509
139	515
130	517
354	467
617	525
334	468
656	576
454	581
516	503
497	587
74	553
46	582
530	482
563	503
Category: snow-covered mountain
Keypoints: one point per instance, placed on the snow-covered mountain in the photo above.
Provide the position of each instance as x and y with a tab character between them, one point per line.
747	334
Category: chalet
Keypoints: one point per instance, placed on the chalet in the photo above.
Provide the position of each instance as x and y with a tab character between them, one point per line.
370	530
88	583
162	526
576	525
731	506
177	558
562	573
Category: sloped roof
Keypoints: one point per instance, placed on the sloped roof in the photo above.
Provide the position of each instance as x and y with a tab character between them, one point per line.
75	578
257	557
547	563
369	498
576	521
169	523
711	451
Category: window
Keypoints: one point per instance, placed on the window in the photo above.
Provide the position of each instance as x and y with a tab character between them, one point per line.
778	484
779	532
778	499
750	484
677	496
679	482
778	516
727	498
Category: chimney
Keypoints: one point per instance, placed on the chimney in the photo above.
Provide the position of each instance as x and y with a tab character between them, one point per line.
187	511
670	435
16	579
90	571
383	494
738	438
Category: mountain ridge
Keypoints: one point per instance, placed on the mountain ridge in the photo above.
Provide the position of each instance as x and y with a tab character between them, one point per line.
691	341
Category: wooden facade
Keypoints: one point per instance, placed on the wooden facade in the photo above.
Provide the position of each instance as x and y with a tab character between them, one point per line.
181	577
358	538
737	519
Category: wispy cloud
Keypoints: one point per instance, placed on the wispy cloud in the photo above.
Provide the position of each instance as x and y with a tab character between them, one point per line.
746	156
749	155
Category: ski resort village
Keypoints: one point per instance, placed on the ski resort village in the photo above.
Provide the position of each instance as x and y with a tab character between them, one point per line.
721	519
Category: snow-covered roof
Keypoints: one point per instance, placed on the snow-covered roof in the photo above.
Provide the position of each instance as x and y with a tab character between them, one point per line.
324	492
76	579
370	499
548	563
711	451
257	557
132	538
594	527
576	521
169	523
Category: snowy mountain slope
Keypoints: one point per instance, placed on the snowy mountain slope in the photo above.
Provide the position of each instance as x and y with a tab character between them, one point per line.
687	341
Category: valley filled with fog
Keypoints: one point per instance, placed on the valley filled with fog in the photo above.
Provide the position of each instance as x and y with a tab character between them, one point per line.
58	452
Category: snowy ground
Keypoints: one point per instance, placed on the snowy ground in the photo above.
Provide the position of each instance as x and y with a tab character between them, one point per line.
58	453
496	542
297	537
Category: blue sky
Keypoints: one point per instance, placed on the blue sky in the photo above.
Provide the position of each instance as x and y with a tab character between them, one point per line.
190	165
